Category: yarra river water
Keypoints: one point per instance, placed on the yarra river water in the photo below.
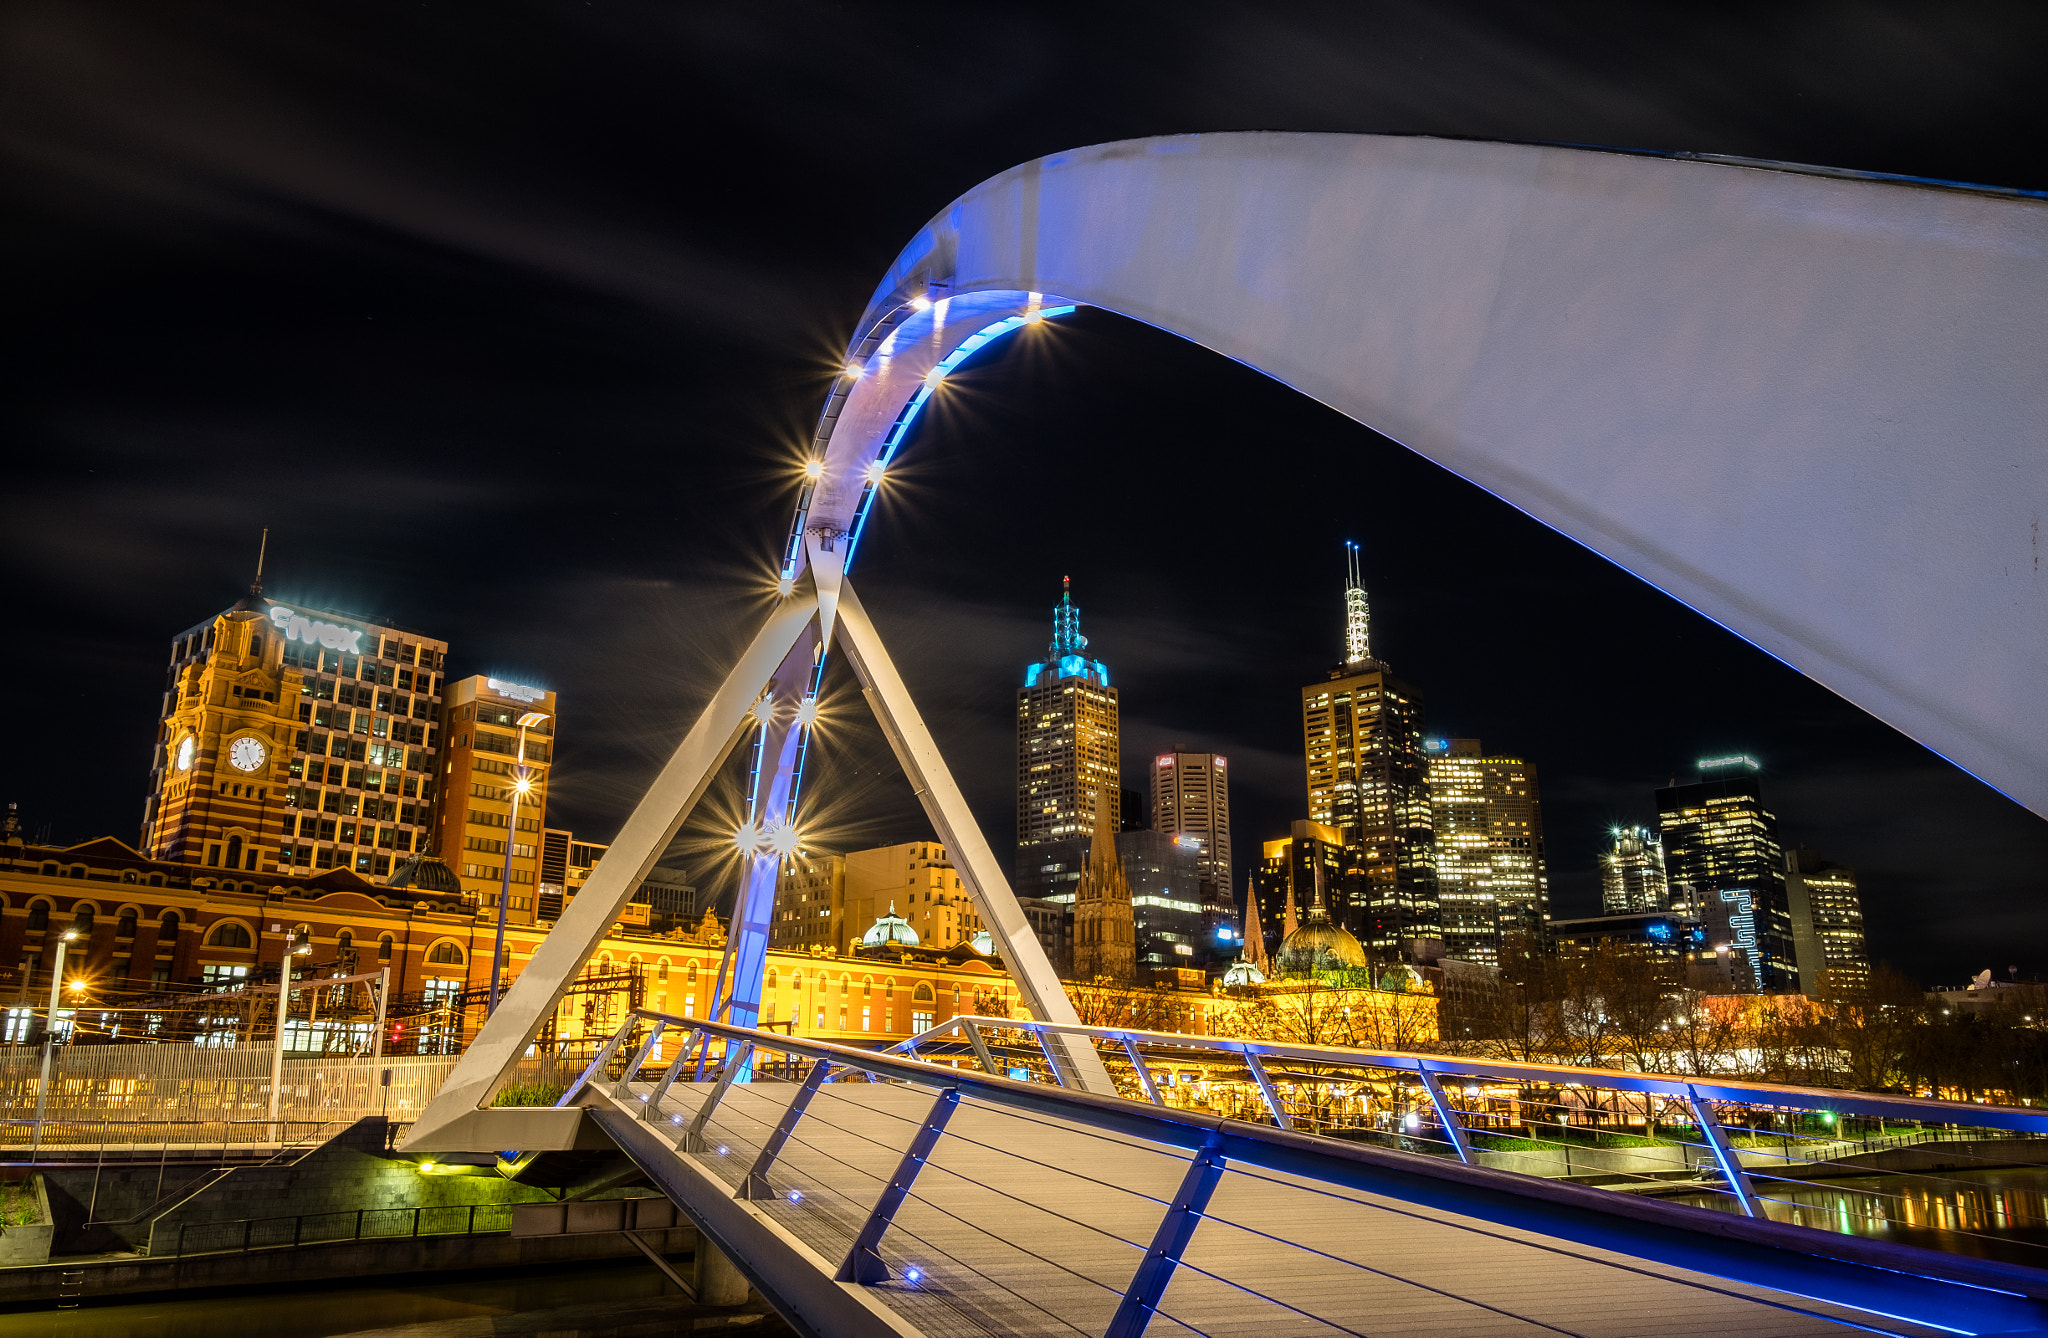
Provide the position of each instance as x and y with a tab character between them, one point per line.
1990	1214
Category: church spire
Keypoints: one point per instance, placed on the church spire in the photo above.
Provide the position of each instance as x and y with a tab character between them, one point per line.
1357	619
1255	931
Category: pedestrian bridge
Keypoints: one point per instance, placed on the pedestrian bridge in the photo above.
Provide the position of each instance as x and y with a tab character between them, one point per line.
931	1193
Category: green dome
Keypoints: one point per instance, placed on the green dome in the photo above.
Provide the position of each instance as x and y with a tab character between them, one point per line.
888	929
1319	945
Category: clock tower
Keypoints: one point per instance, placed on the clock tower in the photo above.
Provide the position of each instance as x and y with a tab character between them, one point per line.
295	740
227	742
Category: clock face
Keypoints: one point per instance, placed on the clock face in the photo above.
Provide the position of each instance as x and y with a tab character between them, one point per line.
185	750
247	754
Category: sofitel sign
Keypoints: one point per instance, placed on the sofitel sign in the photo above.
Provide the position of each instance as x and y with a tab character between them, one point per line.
298	627
518	692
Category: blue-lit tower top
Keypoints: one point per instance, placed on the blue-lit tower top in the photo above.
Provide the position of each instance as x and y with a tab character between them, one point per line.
1063	658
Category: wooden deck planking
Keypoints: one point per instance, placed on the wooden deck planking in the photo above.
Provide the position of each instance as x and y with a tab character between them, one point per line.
1022	1225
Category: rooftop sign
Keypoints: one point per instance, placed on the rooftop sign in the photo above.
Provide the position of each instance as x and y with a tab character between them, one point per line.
311	631
1718	763
518	692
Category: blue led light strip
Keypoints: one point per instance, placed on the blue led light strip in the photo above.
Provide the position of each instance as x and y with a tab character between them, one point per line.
969	346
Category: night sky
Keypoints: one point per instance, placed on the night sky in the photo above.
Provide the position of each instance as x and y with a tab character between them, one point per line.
511	322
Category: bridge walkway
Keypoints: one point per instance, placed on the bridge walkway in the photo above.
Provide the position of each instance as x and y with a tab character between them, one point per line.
1023	1223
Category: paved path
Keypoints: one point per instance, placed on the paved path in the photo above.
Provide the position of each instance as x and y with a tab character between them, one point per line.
1026	1226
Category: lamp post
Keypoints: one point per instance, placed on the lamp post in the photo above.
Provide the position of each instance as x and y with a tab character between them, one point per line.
522	781
298	946
50	1039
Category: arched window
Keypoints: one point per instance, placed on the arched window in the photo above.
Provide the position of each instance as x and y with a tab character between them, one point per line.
234	852
167	929
661	972
844	982
771	980
156	880
344	943
796	980
39	913
228	934
867	987
445	953
384	948
125	926
691	977
81	920
923	993
889	988
128	875
50	870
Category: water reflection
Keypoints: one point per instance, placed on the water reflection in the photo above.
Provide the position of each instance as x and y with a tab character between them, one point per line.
613	1292
1990	1214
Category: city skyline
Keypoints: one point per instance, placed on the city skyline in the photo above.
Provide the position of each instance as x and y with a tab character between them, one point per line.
487	342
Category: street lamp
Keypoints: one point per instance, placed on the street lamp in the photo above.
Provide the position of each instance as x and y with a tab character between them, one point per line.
50	1038
299	945
522	782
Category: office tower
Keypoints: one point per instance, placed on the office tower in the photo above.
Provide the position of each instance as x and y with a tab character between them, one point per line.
1632	874
1171	909
1105	932
1724	867
1290	869
1067	759
1191	797
1827	922
294	739
806	891
1492	881
479	834
916	881
1368	778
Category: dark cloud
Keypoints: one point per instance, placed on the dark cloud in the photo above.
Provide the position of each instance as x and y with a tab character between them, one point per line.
509	328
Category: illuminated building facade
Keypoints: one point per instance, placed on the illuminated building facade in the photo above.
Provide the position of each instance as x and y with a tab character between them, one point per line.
807	889
1290	873
295	740
1191	797
1632	874
1174	907
1067	759
1368	778
1725	867
479	834
916	881
1492	880
1827	922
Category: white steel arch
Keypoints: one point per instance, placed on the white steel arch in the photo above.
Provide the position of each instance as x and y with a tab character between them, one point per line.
1808	404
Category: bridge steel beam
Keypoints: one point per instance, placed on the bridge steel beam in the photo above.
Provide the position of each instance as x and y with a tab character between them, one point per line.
1806	403
537	991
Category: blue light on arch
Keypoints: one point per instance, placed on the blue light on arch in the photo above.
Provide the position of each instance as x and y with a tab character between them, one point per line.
969	346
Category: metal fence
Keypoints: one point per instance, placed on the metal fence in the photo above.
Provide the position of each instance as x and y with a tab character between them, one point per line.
1765	1151
214	1094
269	1233
1039	1202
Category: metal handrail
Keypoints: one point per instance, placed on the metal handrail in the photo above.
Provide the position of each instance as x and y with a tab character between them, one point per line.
1668	1232
1816	1100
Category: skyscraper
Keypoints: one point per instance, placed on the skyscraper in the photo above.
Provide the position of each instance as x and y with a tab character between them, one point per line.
1170	898
1191	797
479	834
1491	877
1067	758
1827	922
1368	778
1105	931
1724	867
1632	874
294	739
1284	885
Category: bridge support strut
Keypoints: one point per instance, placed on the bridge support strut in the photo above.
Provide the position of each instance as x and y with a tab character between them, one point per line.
1176	1229
864	1261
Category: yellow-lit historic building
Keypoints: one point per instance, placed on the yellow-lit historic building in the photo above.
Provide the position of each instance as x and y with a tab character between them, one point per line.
492	813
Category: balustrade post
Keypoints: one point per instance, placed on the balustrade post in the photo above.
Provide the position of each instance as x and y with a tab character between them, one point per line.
863	1262
1717	1141
1144	1074
1170	1241
1280	1116
755	1186
693	1137
1445	1115
988	1061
